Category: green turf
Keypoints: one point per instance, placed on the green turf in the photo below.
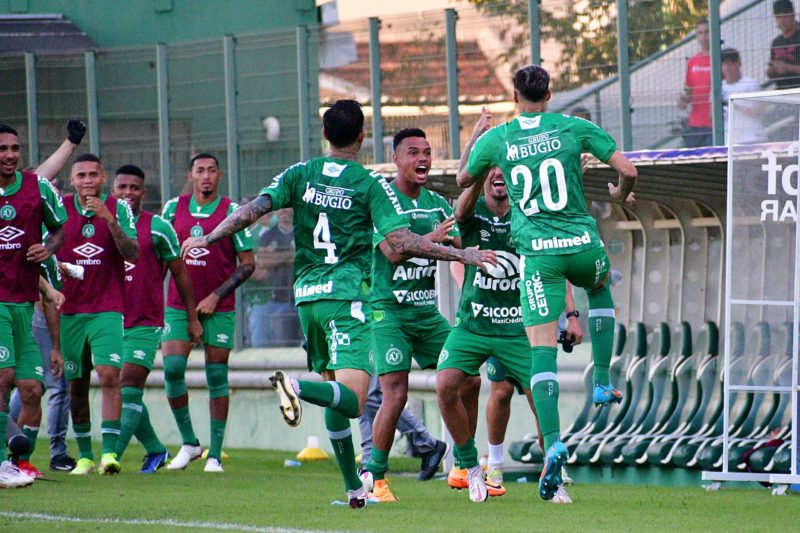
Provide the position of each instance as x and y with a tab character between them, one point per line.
257	491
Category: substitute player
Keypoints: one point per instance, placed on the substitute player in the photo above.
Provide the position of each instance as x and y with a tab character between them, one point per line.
336	202
100	237
215	275
539	154
144	313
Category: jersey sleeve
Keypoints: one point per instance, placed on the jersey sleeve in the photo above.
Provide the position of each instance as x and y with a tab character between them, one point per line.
49	269
282	187
595	140
483	155
126	220
243	240
54	213
165	240
168	213
384	207
448	212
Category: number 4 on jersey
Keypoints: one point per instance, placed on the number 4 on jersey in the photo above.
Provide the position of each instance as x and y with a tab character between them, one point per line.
322	239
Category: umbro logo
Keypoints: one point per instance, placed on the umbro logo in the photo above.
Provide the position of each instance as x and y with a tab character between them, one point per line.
9	233
196	253
88	250
485	235
334	170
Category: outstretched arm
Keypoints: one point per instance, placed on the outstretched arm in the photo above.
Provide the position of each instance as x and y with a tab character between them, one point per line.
53	164
402	241
234	223
463	178
627	177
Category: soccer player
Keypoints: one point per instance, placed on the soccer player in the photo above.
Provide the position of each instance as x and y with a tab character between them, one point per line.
214	274
336	203
100	237
406	320
26	203
144	313
539	154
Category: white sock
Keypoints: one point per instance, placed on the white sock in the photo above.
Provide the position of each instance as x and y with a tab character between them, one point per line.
496	454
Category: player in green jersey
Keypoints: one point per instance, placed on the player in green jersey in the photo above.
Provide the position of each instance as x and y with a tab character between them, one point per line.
336	202
539	154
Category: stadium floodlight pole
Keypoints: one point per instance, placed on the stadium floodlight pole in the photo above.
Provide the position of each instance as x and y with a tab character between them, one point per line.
714	36
376	88
535	31
624	73
303	92
452	83
162	86
33	110
93	120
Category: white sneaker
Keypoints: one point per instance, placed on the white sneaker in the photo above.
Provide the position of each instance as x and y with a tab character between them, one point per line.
367	481
477	484
495	474
13	477
565	479
185	455
357	498
213	465
561	496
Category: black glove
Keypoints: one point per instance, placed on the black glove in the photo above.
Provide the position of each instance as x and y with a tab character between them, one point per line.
75	130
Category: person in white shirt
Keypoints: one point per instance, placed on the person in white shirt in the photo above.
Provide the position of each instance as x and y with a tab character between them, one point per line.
748	128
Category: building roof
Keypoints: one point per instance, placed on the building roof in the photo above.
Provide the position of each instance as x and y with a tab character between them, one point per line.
44	32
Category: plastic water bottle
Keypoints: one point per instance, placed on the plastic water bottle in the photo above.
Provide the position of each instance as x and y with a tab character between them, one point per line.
291	463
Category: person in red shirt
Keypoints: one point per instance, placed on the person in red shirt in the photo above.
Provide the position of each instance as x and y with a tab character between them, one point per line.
697	92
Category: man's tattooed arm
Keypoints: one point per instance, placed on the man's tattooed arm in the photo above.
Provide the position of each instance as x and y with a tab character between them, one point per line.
241	218
128	248
403	241
55	240
239	276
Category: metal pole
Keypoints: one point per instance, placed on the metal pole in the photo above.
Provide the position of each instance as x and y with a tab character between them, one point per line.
162	82
376	86
624	72
93	120
232	138
535	31
33	110
303	108
454	126
715	39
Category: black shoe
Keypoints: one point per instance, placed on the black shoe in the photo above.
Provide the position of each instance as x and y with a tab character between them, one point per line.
62	463
432	460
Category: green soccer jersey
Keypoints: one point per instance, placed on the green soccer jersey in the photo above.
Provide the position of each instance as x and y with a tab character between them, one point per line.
412	282
242	241
540	156
490	300
336	202
165	240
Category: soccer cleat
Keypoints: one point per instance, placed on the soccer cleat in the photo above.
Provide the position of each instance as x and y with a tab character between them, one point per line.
153	462
495	474
457	478
605	394
432	460
565	479
108	464
83	467
62	463
561	496
494	489
550	479
382	492
187	454
213	465
13	477
357	498
289	400
476	479
25	466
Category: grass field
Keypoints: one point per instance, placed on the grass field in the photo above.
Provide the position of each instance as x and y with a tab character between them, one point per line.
256	493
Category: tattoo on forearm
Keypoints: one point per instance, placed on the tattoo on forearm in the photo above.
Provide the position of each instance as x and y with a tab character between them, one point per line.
55	240
128	248
404	242
238	277
241	218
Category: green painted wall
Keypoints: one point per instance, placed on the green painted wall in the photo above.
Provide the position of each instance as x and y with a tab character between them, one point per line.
137	22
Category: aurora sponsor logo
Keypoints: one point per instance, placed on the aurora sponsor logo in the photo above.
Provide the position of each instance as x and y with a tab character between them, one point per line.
423	268
557	243
503	277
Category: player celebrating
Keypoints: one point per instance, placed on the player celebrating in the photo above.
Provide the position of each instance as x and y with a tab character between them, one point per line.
336	203
215	276
539	154
100	237
144	313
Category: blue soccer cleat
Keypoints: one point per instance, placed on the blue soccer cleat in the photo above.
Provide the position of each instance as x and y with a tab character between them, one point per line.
605	395
154	461
550	479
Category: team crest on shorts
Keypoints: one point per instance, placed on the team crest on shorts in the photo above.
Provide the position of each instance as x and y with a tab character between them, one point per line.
443	355
87	230
196	231
394	356
70	367
7	212
5	353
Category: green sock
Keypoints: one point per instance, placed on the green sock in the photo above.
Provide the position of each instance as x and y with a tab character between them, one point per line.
467	454
30	433
3	424
378	463
109	431
83	434
217	435
340	433
184	421
147	435
129	421
544	387
330	394
601	330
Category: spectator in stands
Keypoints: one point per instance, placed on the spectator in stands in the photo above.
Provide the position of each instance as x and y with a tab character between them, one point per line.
697	92
748	127
257	289
784	55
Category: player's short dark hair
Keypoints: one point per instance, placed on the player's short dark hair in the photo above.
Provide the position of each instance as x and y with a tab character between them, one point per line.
730	55
701	20
342	122
131	170
202	155
87	157
5	128
405	133
532	82
782	7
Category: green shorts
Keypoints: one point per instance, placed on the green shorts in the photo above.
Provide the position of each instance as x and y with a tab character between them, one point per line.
543	284
400	334
337	333
467	351
18	350
141	344
91	339
218	329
